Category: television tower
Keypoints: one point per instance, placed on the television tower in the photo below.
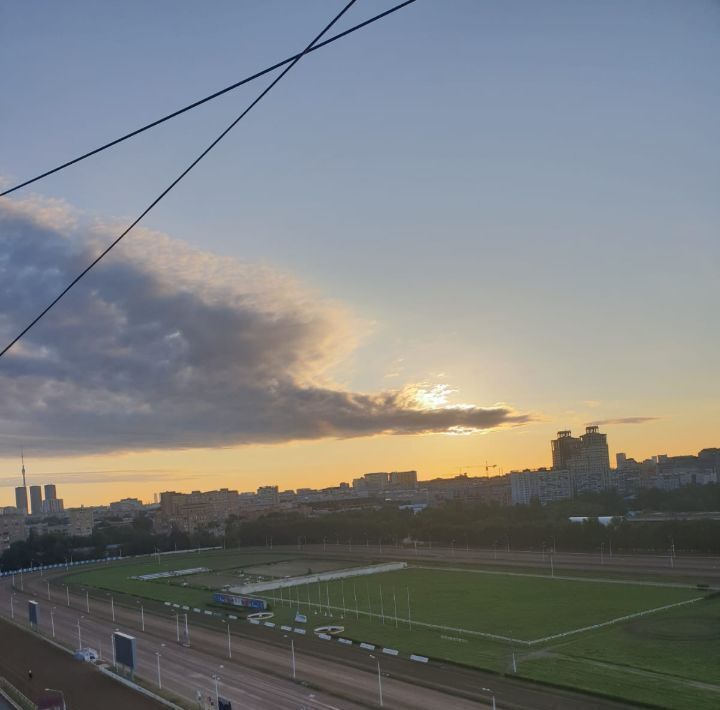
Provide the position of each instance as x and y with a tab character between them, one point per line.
21	499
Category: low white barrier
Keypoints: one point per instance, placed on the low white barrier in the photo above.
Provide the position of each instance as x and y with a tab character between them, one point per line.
256	587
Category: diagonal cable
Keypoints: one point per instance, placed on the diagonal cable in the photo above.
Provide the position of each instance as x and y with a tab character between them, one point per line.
210	97
222	135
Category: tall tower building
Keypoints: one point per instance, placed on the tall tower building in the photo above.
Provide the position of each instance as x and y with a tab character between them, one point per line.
564	448
50	491
586	457
21	499
595	460
36	506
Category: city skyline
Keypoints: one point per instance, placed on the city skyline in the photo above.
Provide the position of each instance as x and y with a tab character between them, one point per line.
373	266
97	489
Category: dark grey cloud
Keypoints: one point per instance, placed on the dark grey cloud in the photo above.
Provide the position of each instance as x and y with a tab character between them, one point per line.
79	478
167	347
624	420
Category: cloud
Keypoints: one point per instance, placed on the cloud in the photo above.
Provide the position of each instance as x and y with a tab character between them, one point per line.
624	420
163	346
69	478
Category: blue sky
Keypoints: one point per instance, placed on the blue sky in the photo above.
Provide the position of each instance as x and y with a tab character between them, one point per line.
519	195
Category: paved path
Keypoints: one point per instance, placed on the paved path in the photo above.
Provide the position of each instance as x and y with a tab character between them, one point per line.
84	686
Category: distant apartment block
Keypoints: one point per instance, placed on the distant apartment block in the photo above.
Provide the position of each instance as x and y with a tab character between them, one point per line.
268	495
80	522
12	529
403	480
126	505
545	485
190	511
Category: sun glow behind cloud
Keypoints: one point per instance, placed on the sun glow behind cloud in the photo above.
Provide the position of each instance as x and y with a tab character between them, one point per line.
167	347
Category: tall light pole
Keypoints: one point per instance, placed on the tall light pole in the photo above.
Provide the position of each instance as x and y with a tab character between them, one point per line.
292	656
67	594
157	654
112	607
87	601
48	588
142	617
487	690
79	633
12	606
177	626
216	678
229	642
52	621
380	693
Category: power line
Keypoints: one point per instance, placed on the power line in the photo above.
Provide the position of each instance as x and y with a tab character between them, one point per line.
254	103
199	102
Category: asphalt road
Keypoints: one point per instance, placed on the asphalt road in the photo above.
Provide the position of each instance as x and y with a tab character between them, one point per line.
258	673
85	687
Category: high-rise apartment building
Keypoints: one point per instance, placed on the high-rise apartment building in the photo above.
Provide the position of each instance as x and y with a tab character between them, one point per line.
565	447
586	457
50	491
36	506
21	499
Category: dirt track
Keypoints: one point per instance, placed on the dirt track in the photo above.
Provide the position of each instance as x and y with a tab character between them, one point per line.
84	686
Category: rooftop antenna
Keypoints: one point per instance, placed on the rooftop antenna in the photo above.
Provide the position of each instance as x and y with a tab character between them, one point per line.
22	458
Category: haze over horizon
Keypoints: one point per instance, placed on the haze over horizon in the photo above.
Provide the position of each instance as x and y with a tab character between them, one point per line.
375	272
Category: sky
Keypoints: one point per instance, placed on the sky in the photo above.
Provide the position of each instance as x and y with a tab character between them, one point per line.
433	245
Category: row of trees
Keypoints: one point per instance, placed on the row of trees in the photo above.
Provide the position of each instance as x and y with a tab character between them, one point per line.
457	523
464	525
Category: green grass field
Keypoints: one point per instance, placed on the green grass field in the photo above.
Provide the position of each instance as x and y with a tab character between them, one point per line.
117	576
519	607
667	659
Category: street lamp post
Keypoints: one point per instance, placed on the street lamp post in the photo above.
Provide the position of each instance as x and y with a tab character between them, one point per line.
112	607
12	606
292	656
79	633
216	678
52	621
67	594
487	690
380	690
157	654
48	588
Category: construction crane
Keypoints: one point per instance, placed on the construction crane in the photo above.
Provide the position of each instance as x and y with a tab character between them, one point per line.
487	466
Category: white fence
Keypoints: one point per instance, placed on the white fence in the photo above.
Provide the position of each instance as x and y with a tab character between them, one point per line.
318	577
